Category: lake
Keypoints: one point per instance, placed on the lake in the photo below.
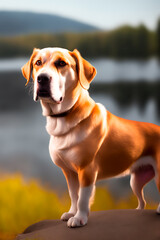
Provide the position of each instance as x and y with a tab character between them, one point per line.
108	70
24	141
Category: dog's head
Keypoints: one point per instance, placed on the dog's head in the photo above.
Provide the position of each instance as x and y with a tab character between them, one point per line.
55	70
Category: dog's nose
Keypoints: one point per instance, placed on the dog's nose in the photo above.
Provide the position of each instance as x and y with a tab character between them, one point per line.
43	78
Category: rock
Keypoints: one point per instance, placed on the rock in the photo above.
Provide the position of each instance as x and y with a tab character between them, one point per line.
102	225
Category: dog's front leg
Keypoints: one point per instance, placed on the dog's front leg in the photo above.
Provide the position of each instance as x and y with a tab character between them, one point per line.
81	217
73	188
85	194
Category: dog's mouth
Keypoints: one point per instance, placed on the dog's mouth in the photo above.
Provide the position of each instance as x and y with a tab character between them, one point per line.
45	94
42	93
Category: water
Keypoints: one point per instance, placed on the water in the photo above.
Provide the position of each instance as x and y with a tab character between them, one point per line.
107	69
24	141
113	70
13	64
24	147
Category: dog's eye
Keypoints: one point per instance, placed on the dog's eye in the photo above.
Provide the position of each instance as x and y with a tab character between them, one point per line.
38	62
60	63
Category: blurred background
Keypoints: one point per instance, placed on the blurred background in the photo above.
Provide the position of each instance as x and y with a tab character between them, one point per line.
122	40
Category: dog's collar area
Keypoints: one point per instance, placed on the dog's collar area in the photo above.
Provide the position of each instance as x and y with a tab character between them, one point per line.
63	114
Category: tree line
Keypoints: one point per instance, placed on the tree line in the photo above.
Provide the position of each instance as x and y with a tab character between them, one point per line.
123	42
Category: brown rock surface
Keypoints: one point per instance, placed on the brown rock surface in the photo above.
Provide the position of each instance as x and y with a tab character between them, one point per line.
103	225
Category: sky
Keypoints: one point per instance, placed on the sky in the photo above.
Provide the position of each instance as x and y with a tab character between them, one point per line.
105	14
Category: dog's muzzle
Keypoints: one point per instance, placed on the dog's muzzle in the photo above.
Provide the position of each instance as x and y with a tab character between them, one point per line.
43	88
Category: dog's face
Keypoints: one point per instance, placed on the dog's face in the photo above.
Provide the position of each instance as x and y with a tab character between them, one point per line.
55	71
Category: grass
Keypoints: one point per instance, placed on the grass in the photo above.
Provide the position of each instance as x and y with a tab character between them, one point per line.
23	203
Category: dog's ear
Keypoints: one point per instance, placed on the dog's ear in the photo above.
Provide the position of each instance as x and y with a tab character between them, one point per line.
86	72
27	68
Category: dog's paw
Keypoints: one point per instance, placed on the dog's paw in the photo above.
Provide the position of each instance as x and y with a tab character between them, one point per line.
67	215
77	221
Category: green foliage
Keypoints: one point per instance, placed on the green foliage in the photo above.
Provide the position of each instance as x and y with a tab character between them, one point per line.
158	37
123	42
23	203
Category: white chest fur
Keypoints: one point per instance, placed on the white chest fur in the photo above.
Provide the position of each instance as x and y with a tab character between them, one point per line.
64	134
64	139
67	137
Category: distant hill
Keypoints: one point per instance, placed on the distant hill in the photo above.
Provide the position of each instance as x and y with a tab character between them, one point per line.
16	23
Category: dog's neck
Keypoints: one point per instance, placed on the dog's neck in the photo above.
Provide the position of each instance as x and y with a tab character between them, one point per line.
58	124
78	97
62	114
49	108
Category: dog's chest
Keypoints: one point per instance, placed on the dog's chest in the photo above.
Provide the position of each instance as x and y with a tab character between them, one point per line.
64	141
65	154
74	143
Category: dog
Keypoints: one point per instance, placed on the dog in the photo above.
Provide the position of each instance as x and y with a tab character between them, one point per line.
86	141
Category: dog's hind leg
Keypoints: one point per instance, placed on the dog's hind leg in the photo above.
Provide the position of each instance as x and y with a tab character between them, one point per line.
158	209
138	191
139	178
158	182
